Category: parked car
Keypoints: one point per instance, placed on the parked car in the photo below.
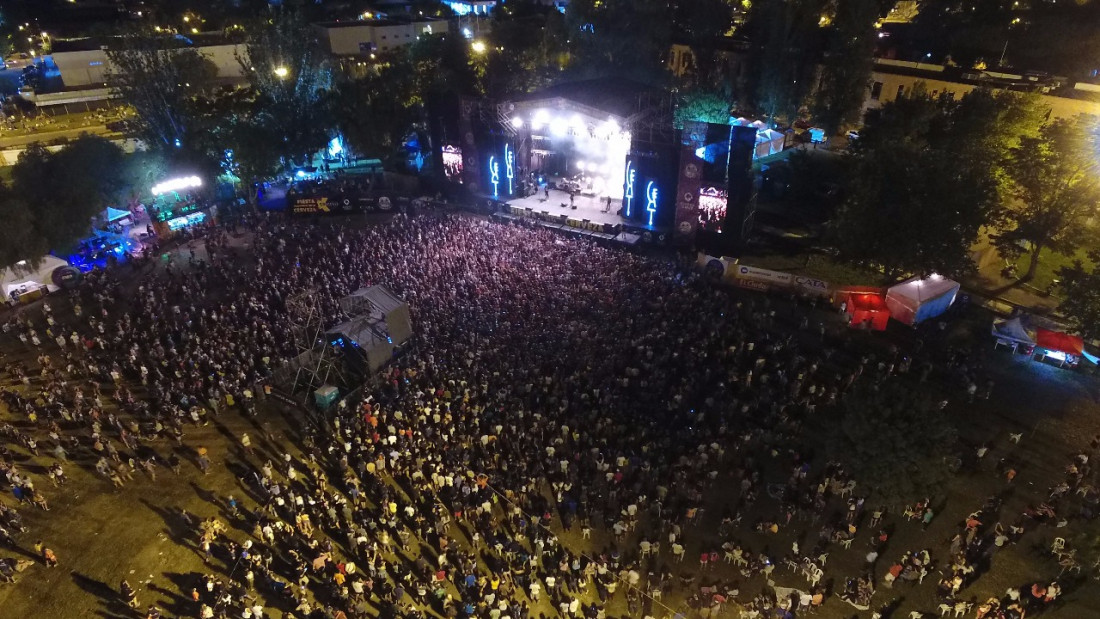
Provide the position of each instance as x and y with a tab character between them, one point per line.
18	61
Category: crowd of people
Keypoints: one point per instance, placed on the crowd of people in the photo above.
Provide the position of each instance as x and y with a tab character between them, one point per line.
570	424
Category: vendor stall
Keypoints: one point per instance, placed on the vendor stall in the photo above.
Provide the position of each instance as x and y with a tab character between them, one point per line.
1013	334
113	217
24	282
867	310
1063	348
177	205
918	299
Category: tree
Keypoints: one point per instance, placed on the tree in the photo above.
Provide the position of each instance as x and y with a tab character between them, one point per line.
160	79
18	240
785	39
895	440
444	65
237	138
290	74
1081	303
1044	36
702	23
374	112
54	196
701	106
846	73
534	53
925	178
1054	180
628	38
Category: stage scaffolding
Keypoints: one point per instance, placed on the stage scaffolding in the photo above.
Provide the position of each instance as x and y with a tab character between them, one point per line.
315	363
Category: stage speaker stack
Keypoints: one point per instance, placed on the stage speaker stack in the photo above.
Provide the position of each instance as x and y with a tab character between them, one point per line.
740	189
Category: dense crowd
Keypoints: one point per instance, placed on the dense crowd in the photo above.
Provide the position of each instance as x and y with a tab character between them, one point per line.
578	431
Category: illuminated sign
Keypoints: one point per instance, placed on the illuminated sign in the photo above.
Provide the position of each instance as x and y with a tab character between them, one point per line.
631	174
175	184
509	168
494	176
651	200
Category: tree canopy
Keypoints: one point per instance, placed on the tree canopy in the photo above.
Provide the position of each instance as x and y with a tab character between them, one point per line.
1054	181
701	106
160	79
925	178
846	71
786	37
629	38
53	197
895	440
1048	36
289	72
1081	303
374	111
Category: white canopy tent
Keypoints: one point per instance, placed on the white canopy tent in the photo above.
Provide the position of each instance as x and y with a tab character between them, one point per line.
22	277
916	300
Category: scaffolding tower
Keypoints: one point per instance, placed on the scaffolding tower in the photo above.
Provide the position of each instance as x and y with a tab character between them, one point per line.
315	363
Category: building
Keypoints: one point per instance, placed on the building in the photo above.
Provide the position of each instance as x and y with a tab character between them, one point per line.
894	78
471	7
731	58
76	70
367	36
81	63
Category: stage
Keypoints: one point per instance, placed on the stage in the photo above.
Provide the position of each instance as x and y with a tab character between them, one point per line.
589	208
588	218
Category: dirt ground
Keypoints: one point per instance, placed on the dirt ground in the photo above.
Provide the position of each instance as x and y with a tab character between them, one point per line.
103	535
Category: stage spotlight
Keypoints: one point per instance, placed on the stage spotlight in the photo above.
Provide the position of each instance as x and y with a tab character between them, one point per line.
517	122
577	121
580	165
541	119
558	126
593	166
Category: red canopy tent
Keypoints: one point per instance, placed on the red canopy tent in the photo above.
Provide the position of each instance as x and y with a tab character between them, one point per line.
1061	342
868	308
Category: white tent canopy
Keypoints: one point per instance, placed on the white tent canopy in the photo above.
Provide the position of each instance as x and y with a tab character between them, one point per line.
917	299
23	277
1012	330
111	215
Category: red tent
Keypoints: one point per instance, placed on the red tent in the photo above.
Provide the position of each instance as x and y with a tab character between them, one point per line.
1061	342
870	308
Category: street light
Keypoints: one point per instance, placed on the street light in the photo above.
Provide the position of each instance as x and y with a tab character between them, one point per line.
281	72
478	47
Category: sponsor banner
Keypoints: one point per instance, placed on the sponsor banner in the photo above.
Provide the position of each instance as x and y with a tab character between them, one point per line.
752	284
772	278
811	285
310	205
346	204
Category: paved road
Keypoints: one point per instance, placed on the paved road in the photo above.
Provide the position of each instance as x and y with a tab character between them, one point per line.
46	136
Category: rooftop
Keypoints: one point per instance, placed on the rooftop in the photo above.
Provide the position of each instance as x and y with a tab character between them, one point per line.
361	23
84	44
614	95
